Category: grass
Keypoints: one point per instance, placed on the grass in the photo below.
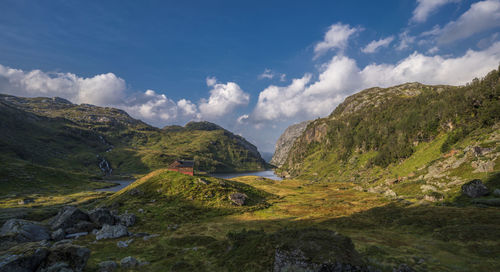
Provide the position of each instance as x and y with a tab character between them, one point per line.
214	235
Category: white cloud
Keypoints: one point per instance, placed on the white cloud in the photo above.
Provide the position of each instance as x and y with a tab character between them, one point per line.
270	74
481	16
211	81
242	119
223	99
336	37
266	74
405	40
341	77
110	90
101	89
433	50
374	45
283	77
426	7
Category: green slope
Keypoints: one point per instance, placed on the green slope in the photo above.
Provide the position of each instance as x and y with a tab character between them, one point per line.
54	134
413	139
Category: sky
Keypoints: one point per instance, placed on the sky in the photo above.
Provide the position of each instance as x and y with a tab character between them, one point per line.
253	67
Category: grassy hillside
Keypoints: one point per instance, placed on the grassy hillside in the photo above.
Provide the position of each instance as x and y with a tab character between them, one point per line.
200	229
410	140
58	136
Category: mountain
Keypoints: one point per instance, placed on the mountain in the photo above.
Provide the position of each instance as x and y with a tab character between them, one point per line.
58	135
285	142
409	139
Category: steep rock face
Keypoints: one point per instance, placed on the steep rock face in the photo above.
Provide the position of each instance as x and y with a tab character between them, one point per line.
285	142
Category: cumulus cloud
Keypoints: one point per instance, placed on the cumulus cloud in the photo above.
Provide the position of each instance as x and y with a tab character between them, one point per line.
336	37
426	7
341	76
101	89
110	90
374	45
223	99
480	17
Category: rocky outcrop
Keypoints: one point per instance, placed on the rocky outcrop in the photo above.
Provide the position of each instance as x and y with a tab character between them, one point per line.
285	142
474	188
238	198
317	250
24	231
102	216
110	232
68	217
42	257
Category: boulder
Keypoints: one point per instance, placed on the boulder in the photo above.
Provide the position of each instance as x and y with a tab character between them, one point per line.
57	267
68	217
238	198
102	216
76	235
107	266
75	257
129	262
81	226
127	219
316	250
110	232
403	268
24	258
58	235
122	244
24	231
496	192
474	188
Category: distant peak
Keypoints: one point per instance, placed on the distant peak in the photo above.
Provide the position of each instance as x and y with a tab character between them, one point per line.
203	125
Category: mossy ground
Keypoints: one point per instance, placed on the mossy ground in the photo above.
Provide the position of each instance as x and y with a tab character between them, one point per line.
199	228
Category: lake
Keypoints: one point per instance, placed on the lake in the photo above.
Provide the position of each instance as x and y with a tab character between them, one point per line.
121	184
266	174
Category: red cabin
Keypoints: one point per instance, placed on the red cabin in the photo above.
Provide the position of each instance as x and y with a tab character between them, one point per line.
184	167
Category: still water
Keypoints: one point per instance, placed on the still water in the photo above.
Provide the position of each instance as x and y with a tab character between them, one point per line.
120	185
266	174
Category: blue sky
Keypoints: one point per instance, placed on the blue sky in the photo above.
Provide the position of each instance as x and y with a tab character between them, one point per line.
254	67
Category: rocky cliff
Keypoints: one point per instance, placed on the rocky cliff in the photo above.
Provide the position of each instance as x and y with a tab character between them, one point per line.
286	141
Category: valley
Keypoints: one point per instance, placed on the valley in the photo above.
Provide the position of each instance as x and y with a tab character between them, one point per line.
405	178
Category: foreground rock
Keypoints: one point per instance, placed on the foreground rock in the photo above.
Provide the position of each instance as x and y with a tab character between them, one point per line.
41	257
75	257
102	216
129	262
474	188
238	198
316	250
68	217
110	232
107	266
127	219
24	231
